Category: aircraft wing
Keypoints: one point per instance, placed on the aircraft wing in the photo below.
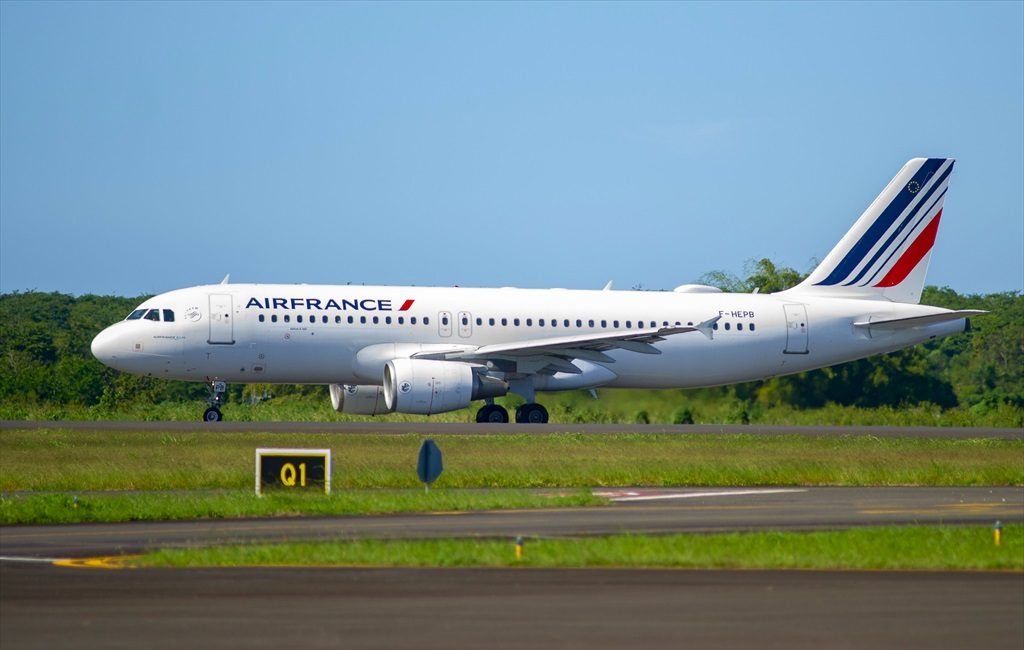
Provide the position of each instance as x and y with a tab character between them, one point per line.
555	354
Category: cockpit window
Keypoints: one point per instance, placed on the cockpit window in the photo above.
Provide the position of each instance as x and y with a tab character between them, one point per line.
136	315
168	316
153	314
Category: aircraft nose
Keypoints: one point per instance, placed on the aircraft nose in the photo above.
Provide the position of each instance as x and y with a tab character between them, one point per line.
104	347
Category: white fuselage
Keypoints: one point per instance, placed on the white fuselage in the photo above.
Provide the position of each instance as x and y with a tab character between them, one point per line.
329	334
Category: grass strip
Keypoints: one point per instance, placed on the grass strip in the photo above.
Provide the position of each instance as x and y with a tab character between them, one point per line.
141	506
896	547
63	460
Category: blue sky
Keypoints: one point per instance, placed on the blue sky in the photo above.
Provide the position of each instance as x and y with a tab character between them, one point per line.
149	146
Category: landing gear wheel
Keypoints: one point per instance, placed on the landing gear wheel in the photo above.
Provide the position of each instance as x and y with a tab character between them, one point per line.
492	413
217	391
531	414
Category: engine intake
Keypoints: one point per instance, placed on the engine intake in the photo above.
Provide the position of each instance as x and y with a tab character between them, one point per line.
358	400
425	387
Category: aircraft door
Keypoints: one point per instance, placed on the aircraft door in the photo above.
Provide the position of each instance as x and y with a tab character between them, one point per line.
222	329
796	329
465	324
444	323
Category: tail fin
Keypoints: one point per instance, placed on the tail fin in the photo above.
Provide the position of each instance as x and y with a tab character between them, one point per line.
885	255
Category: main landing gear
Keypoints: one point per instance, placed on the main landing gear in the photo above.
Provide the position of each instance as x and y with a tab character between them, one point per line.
532	414
526	414
217	391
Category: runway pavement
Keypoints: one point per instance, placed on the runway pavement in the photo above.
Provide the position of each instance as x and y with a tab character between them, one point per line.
660	511
44	606
467	428
47	607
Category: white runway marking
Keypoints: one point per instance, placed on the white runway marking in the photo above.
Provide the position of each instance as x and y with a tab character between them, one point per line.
696	495
45	560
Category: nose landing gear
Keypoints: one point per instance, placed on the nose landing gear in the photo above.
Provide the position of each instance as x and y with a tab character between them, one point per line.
217	392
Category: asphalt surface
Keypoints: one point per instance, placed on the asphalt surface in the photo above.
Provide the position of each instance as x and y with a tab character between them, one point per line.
663	511
49	607
46	606
466	428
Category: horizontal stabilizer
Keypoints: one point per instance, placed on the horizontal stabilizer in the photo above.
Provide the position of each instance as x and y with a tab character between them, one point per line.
919	321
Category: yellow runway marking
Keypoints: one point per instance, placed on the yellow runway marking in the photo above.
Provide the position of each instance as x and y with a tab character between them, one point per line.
108	562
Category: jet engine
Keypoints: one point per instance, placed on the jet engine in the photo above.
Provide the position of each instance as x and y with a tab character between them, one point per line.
358	400
425	387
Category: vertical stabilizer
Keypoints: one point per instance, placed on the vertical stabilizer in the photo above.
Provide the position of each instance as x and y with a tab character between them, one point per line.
885	255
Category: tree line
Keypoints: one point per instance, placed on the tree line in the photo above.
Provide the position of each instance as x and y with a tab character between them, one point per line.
45	356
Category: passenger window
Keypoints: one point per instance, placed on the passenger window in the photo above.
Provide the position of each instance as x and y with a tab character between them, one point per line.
629	324
590	323
604	323
751	327
261	318
540	323
337	319
565	323
739	326
554	323
504	322
465	321
426	320
579	323
168	316
689	323
387	320
136	315
444	320
412	320
362	320
529	322
351	320
287	318
479	321
323	319
615	324
273	318
153	314
515	321
715	326
376	319
401	320
298	319
490	321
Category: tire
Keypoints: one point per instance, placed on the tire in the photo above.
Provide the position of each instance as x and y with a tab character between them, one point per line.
212	414
531	414
492	414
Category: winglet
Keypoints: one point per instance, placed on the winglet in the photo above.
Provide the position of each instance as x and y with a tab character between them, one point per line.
707	328
607	287
226	279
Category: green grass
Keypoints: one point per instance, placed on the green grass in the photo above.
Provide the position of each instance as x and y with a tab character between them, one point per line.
912	547
70	461
707	406
111	507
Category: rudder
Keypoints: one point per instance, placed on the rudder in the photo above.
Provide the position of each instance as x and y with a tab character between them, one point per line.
886	252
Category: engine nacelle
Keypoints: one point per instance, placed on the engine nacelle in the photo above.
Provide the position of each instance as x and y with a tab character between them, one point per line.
425	387
358	400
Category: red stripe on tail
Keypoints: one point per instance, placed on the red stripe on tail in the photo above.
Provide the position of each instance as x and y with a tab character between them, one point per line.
913	255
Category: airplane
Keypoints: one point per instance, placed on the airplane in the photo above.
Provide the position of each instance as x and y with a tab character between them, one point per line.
427	350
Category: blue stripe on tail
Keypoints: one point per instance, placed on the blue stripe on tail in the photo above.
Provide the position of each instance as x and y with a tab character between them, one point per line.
884	221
